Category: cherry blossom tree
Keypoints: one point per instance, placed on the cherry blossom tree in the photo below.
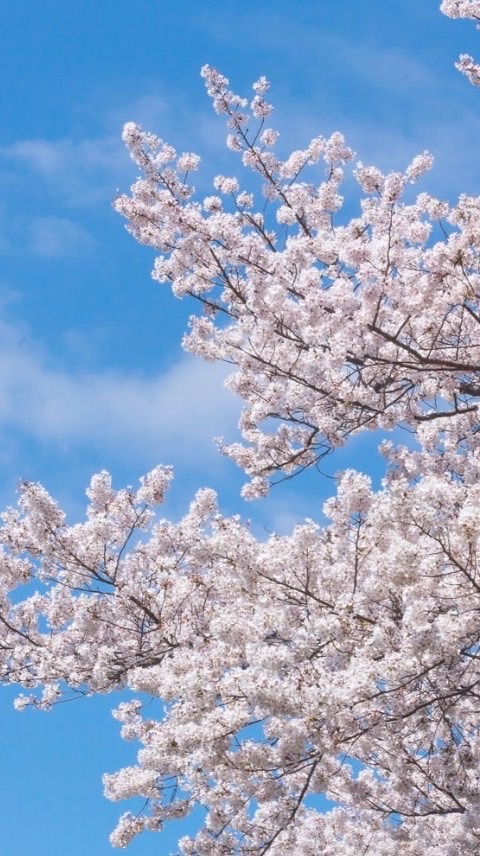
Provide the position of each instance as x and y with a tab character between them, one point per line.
340	660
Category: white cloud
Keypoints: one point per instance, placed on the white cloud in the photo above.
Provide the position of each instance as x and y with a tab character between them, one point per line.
56	237
81	171
88	169
381	67
172	415
151	110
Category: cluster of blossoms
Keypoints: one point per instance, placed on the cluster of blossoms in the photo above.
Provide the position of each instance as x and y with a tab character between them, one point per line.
461	9
464	9
339	661
323	320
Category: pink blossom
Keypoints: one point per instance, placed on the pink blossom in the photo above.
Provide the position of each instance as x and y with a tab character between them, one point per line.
341	659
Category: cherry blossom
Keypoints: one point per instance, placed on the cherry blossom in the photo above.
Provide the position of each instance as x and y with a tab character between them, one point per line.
321	317
280	666
464	9
339	662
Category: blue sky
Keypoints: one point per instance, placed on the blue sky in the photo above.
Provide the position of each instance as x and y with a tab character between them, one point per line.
91	371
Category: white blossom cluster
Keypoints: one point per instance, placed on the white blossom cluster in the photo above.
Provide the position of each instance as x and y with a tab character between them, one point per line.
281	665
464	9
341	660
323	319
461	9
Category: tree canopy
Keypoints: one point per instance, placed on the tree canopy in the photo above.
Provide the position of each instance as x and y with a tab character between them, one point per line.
340	660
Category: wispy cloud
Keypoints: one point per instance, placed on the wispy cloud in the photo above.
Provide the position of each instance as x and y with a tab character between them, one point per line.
57	237
80	171
89	169
378	66
173	414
